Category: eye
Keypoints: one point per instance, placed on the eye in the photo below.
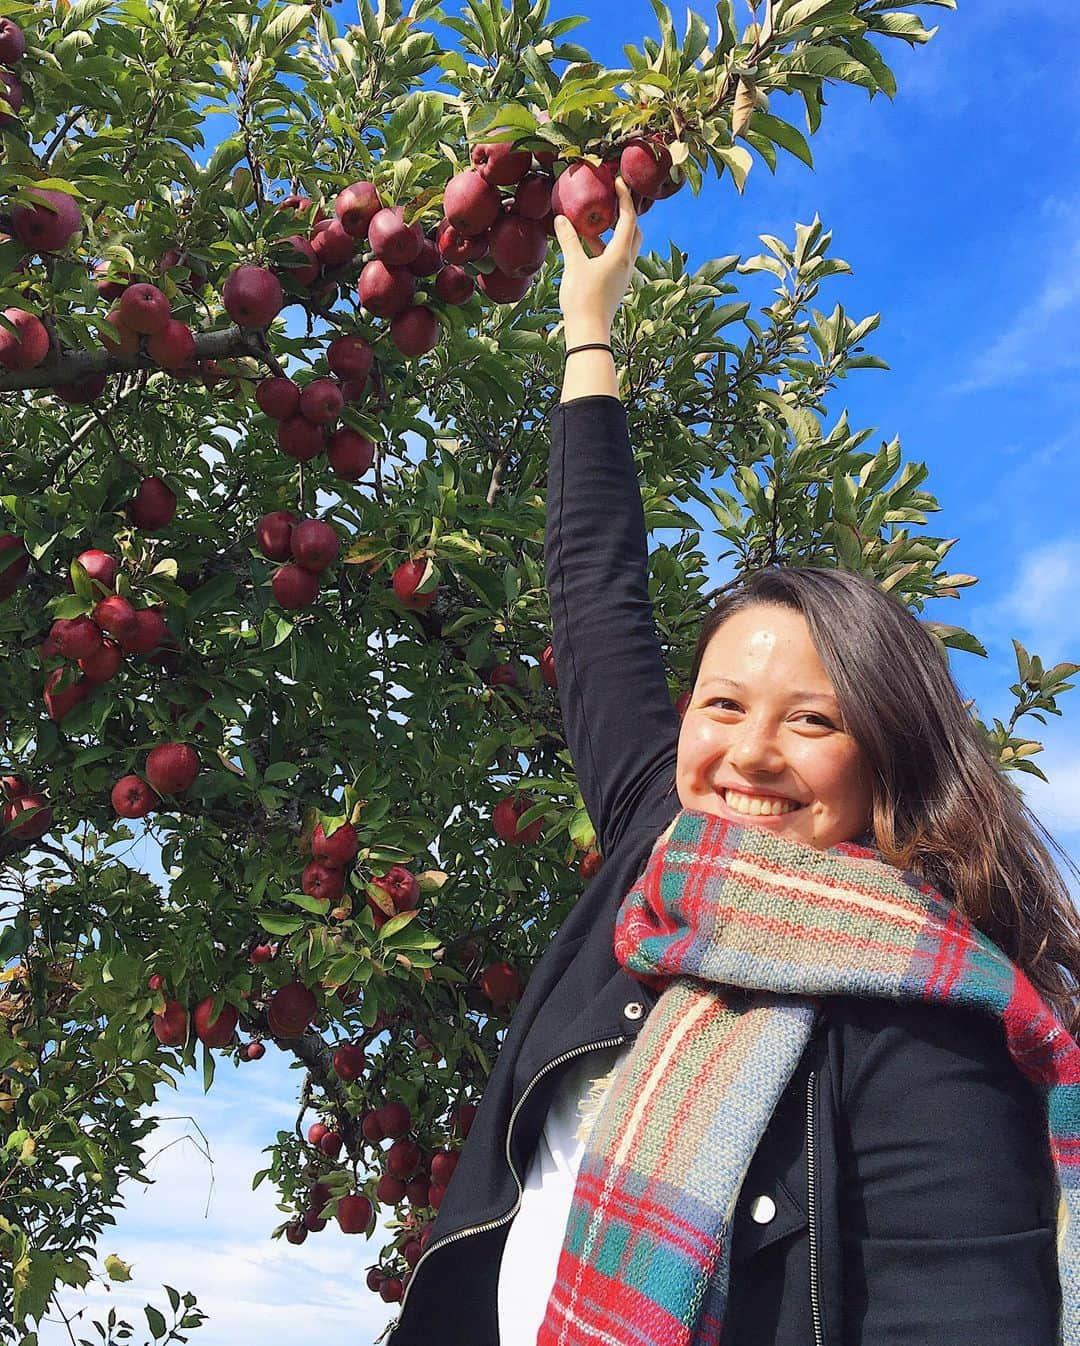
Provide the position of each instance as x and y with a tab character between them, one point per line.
809	714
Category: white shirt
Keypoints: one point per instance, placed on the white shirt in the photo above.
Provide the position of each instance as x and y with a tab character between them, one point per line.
531	1253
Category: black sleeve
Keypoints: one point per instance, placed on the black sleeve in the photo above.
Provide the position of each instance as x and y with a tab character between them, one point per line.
948	1191
621	726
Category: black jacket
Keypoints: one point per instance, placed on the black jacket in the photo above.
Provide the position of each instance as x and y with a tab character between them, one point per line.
910	1183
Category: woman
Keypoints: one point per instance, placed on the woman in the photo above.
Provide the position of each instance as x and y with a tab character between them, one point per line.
902	1193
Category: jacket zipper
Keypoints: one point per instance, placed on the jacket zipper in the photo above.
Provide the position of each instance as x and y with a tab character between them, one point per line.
815	1302
494	1224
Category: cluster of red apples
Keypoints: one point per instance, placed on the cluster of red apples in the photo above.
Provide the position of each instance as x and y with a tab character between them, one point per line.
92	646
305	546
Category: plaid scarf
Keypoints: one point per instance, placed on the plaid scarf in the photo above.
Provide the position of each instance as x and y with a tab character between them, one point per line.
741	929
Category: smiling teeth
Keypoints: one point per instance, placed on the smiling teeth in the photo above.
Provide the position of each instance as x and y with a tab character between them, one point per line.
767	808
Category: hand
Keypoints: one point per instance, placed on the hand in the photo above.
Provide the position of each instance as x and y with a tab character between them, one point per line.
593	286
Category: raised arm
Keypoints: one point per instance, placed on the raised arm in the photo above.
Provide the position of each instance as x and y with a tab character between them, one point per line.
621	727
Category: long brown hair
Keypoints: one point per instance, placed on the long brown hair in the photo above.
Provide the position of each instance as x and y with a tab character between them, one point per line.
943	808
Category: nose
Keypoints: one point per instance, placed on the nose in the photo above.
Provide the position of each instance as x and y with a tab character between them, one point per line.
753	748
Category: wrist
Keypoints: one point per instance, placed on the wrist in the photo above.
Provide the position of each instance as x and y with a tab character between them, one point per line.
577	333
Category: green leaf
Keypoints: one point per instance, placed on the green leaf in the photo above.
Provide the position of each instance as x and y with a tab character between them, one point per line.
281	771
156	1321
279	925
318	906
783	134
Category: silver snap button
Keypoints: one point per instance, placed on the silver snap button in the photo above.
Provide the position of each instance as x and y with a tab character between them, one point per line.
634	1010
762	1209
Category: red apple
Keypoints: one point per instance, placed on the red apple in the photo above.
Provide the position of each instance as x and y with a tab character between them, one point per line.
313	1221
390	1190
14	563
291	1009
533	196
589	865
28	345
401	886
148	633
82	391
504	819
295	1233
501	288
252	296
272	534
645	164
464	1118
428	260
471	203
402	1159
173	346
171	768
279	397
501	984
331	244
302	261
36	824
443	1163
99	566
321	402
415	330
254	1051
391	239
171	1025
385	290
322	880
316	1131
454	285
394	1119
120	339
300	438
354	1214
405	579
153	505
355	205
12	42
458	247
339	848
350	453
49	223
156	982
314	544
391	1290
103	664
115	615
261	953
547	666
518	245
131	797
144	308
59	703
331	1144
294	587
499	163
585	194
349	1061
219	1031
75	637
349	357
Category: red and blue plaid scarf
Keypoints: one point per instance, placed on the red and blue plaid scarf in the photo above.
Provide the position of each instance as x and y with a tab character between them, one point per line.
742	929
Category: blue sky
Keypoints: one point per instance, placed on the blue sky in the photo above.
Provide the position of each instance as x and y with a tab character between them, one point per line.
958	207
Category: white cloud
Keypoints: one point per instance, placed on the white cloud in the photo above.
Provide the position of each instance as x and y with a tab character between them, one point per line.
1039	608
1043	335
200	1227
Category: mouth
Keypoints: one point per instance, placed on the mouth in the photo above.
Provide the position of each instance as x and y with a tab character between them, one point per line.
745	808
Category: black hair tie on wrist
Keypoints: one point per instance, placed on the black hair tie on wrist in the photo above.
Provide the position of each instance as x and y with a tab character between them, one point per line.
592	346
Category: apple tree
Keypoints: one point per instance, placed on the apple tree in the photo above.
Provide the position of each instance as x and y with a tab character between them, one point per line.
279	721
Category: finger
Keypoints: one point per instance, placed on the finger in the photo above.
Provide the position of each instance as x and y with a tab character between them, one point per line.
567	236
624	227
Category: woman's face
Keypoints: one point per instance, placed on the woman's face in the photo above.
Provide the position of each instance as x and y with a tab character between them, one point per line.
779	730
